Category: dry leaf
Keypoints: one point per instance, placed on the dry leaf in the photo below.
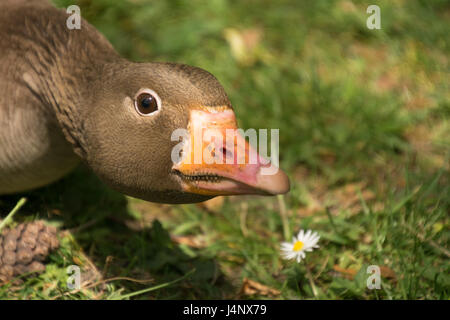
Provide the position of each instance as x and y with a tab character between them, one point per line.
77	261
387	272
190	241
244	44
55	212
347	197
250	287
148	212
350	273
347	6
214	205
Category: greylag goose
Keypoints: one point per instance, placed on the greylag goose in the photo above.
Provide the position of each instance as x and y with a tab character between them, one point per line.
67	96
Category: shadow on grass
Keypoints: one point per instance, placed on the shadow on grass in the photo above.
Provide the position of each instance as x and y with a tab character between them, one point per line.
96	217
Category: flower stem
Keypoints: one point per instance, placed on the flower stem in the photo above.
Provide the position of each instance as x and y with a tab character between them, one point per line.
284	217
311	281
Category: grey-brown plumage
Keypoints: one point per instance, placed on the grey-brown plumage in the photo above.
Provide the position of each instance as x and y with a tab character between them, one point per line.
65	96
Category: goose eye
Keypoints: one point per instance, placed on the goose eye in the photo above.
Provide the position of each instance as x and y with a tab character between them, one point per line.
147	103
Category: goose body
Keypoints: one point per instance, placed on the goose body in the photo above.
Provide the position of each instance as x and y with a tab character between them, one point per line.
66	96
33	150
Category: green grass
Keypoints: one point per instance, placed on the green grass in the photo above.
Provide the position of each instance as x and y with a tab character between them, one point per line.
364	136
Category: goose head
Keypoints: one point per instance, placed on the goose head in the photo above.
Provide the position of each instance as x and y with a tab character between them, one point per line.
141	127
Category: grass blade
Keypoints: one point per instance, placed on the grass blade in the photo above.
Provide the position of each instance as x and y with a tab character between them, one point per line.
19	204
160	286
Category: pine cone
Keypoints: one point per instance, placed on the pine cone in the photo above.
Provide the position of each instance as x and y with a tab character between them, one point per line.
23	248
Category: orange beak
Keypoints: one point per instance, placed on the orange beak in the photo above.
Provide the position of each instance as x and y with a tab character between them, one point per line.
216	160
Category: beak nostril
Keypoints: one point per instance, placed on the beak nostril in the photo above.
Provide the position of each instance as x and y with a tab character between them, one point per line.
226	153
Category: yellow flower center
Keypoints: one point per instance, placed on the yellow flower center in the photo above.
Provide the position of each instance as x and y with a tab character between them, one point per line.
298	246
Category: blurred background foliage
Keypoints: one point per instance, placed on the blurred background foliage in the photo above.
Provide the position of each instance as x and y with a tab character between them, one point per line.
364	136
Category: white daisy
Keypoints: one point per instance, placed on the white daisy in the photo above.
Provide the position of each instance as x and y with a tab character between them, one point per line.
303	242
